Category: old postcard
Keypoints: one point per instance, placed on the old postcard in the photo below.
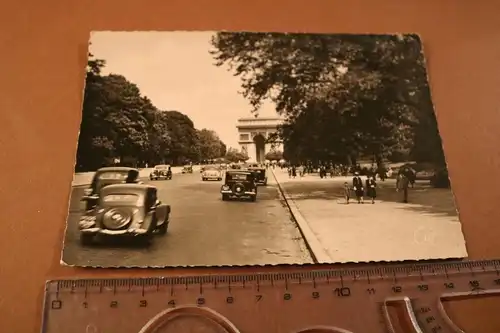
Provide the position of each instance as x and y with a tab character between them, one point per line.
241	148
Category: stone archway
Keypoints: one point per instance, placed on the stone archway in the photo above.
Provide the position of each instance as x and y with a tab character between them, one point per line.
260	148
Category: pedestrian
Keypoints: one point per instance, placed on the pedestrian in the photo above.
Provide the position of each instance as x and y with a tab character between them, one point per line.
289	172
357	184
347	192
371	188
294	171
301	171
402	183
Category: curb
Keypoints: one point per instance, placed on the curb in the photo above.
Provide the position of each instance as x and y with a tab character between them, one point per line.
320	256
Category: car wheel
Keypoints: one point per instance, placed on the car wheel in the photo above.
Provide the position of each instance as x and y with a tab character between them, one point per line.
253	198
86	239
225	197
146	239
162	228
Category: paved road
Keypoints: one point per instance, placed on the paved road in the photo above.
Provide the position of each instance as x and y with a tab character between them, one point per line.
204	230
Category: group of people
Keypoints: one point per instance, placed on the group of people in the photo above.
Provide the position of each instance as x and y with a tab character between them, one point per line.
405	179
358	187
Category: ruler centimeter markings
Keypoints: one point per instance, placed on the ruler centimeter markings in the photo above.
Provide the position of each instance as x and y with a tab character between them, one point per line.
386	299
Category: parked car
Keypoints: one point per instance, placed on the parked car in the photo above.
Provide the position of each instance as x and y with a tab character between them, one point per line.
211	173
125	210
239	184
187	169
260	175
162	171
107	176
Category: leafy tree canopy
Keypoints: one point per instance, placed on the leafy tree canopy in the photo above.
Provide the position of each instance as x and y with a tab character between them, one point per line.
343	96
119	123
233	155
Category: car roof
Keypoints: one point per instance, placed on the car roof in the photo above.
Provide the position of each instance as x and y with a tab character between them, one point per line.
126	188
162	165
116	169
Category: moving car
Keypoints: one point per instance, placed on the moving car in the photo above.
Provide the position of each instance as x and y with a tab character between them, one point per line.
260	175
104	177
162	171
187	169
239	184
211	172
125	210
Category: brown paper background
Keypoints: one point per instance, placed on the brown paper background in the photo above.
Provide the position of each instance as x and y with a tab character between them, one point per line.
43	55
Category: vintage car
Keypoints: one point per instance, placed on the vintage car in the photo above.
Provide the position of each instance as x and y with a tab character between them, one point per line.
125	210
161	171
260	175
211	172
187	169
239	184
104	177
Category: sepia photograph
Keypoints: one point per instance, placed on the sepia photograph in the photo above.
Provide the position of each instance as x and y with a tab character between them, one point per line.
243	148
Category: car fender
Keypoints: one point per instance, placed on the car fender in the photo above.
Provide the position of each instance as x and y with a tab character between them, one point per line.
162	212
149	222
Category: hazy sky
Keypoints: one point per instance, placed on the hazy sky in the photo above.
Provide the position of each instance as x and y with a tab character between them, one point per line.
175	70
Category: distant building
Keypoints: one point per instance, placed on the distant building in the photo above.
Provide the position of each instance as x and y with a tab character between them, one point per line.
253	133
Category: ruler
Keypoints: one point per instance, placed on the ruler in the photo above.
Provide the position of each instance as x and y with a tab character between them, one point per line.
378	299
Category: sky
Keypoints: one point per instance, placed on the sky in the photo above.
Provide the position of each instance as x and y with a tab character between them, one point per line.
175	71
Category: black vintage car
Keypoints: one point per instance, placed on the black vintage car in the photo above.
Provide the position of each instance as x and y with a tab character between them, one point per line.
108	176
161	171
187	169
260	175
239	184
125	210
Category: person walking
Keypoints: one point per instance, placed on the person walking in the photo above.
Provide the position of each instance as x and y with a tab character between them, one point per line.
371	188
301	170
357	184
402	183
347	193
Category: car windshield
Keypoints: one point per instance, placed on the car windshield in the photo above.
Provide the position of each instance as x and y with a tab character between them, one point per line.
238	176
161	167
121	199
211	168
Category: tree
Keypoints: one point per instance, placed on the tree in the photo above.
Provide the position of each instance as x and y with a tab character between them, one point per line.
128	116
94	144
343	96
210	144
234	155
274	155
160	140
183	136
119	122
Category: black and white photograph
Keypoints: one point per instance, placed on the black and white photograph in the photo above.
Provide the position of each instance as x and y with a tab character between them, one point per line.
242	148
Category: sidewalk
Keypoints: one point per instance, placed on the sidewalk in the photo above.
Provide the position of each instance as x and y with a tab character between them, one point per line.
426	228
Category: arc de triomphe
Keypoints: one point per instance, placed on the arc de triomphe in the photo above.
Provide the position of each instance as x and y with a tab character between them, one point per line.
253	133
